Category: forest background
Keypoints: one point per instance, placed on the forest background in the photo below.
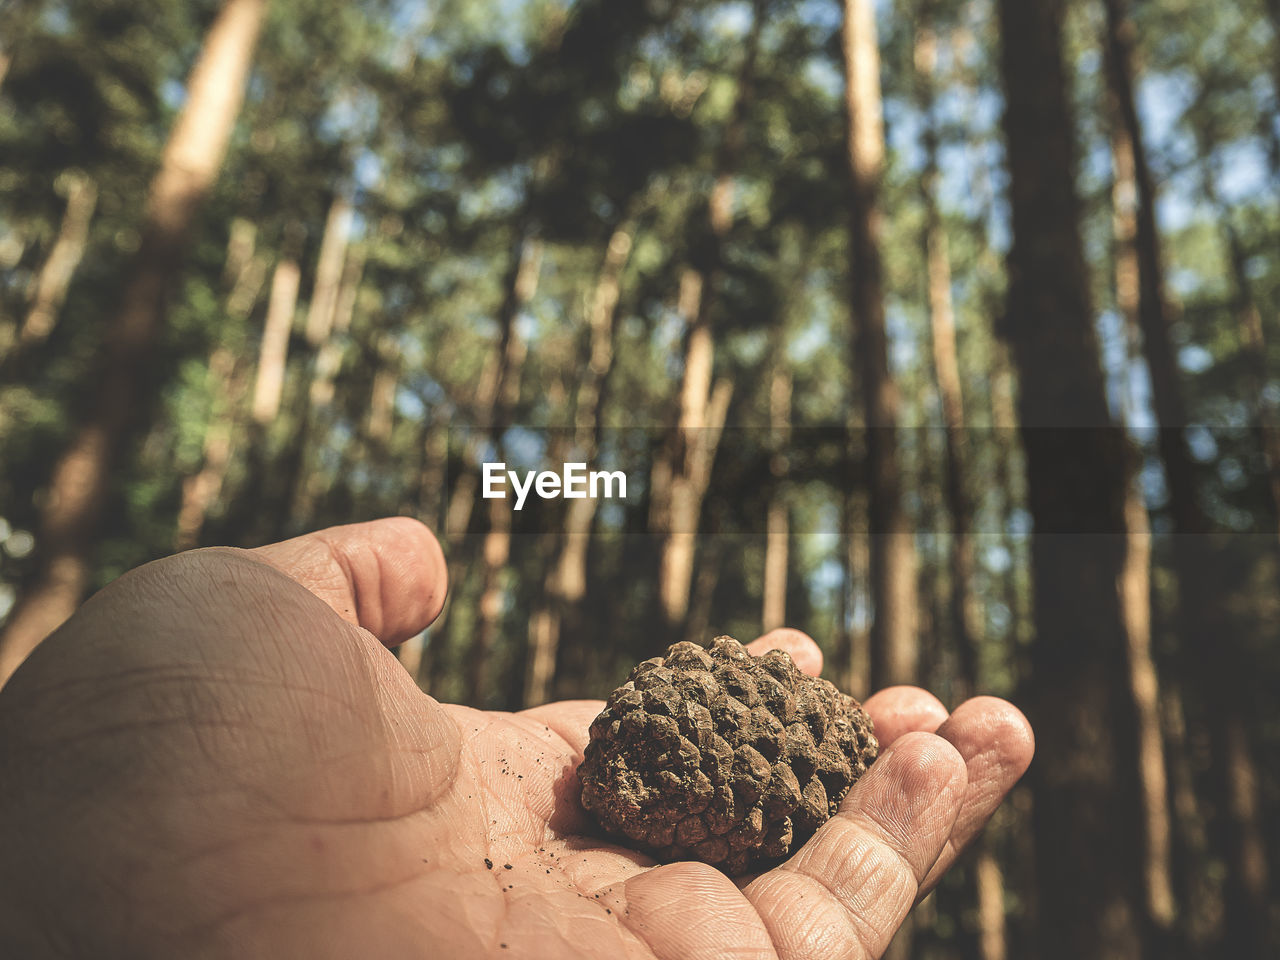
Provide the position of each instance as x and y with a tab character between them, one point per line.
944	330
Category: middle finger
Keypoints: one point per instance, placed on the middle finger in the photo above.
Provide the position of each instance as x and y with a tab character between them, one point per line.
899	710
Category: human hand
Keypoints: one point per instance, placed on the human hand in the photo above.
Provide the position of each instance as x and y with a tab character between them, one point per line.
218	756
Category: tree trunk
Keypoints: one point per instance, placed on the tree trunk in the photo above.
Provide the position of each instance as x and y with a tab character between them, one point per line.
855	556
778	525
491	387
988	888
54	280
894	650
314	483
1086	818
201	490
1200	588
774	602
493	557
566	583
962	606
682	480
1234	770
1135	598
329	271
245	273
78	487
428	505
382	395
273	352
937	667
522	284
989	880
432	474
1004	425
329	357
1202	916
699	436
374	431
679	508
698	627
1135	584
463	496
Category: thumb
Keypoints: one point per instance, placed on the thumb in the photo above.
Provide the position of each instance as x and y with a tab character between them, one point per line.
387	576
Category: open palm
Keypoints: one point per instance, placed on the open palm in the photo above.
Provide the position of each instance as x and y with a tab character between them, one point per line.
217	756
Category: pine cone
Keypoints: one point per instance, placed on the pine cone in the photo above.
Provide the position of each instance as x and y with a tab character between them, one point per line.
719	756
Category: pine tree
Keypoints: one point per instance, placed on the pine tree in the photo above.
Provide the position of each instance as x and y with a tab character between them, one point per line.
1085	816
81	477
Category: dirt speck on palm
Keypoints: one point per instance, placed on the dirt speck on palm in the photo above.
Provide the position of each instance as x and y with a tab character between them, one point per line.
719	756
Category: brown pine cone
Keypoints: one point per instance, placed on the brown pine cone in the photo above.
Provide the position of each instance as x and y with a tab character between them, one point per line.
719	756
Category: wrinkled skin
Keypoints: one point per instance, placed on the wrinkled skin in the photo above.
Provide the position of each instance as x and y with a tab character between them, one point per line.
219	757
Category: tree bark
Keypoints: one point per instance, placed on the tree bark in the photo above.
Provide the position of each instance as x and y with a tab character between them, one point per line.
566	583
774	601
698	623
78	487
1135	597
1004	424
432	473
494	555
1235	770
490	389
1200	588
273	351
773	612
54	280
1135	584
327	313
1201	916
989	880
329	357
510	351
680	482
1086	818
313	484
329	270
962	605
699	432
852	666
382	394
859	555
894	652
244	275
201	490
